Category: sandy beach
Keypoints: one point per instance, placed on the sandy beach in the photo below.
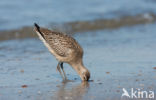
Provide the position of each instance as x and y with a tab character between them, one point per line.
117	36
117	59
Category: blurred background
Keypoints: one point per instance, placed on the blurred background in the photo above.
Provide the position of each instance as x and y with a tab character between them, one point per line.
74	16
21	13
118	38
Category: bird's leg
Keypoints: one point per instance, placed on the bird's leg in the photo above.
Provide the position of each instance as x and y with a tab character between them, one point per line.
58	68
61	64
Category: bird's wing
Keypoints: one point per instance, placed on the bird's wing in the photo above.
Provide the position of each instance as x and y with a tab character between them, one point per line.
61	43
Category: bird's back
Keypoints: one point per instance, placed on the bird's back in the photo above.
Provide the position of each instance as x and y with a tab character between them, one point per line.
64	46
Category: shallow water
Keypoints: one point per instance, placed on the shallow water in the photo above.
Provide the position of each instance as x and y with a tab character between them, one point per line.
121	58
19	13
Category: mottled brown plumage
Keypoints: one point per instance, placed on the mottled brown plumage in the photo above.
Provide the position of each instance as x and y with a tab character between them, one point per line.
65	49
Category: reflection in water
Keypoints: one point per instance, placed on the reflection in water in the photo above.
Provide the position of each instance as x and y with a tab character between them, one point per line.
68	92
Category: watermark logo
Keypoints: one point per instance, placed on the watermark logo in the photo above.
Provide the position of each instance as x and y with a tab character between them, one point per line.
137	93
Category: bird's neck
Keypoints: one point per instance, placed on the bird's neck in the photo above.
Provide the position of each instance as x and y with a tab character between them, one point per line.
78	67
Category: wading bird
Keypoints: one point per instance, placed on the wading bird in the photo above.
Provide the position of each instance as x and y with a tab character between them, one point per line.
66	50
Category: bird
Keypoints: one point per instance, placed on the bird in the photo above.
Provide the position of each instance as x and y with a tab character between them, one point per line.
65	49
125	93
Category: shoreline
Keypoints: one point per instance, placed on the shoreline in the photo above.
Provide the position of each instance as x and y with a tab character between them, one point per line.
82	26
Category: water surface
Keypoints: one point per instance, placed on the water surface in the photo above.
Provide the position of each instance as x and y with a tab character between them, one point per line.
19	13
120	58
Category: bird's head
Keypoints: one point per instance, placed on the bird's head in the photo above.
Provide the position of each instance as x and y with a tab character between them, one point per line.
84	74
82	71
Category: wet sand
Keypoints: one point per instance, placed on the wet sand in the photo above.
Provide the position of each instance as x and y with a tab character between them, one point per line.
117	59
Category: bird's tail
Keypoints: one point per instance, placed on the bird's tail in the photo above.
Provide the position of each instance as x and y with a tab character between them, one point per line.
37	29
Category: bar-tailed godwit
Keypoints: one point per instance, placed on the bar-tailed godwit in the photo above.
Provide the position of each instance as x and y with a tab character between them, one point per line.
66	50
